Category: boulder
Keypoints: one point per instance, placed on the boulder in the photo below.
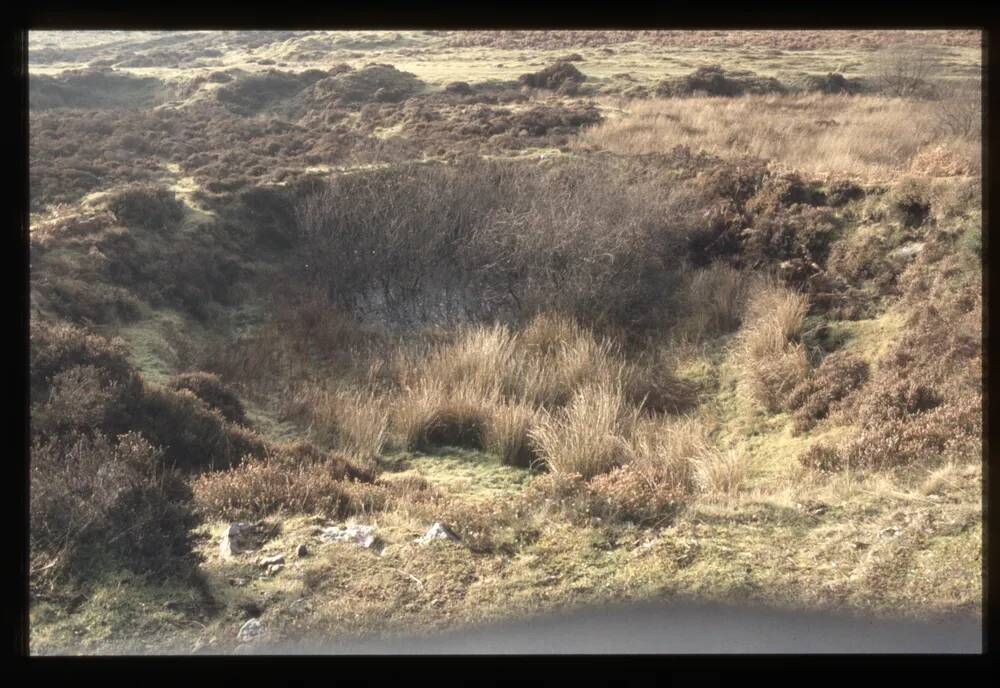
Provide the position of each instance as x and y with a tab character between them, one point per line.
236	540
267	562
250	631
363	536
438	531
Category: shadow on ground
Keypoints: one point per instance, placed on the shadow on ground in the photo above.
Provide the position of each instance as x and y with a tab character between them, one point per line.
674	629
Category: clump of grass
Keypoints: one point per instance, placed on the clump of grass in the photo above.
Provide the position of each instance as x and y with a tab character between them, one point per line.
547	331
771	356
508	434
429	415
723	473
588	437
482	358
714	299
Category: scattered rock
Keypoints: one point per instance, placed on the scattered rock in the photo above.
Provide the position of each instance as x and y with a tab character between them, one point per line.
250	631
302	551
237	582
908	251
268	562
236	540
274	569
363	536
438	531
250	610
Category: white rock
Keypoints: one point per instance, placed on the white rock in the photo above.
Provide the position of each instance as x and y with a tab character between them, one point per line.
274	568
236	540
268	562
363	536
438	531
251	630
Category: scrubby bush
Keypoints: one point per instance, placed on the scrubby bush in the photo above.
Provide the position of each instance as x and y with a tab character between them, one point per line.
951	431
56	347
843	191
822	458
283	484
553	77
837	376
193	436
959	113
485	240
210	389
149	207
639	496
254	92
84	400
904	71
373	83
716	81
834	82
909	203
94	500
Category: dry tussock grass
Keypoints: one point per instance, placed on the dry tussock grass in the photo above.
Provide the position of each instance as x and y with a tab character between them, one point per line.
714	300
867	138
771	357
724	473
589	436
355	421
430	415
508	434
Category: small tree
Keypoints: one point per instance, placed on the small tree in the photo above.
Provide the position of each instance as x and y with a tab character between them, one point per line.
959	112
905	71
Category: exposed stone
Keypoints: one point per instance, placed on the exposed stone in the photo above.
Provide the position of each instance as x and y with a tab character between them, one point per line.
267	562
302	551
236	540
363	536
251	630
438	531
274	568
245	537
